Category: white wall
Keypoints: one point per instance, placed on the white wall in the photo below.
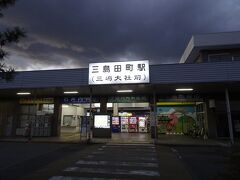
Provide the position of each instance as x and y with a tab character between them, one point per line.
80	111
72	110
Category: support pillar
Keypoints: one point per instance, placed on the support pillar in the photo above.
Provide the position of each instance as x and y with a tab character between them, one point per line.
211	120
90	120
154	118
90	109
229	116
103	105
115	109
56	125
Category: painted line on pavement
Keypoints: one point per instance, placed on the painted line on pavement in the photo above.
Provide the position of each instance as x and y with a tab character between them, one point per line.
90	156
130	144
131	158
174	150
80	178
123	163
177	153
115	171
98	152
133	151
224	144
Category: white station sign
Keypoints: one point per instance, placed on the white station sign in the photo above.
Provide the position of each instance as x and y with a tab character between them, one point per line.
119	72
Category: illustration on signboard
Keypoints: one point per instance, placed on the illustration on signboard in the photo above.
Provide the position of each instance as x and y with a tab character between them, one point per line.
175	119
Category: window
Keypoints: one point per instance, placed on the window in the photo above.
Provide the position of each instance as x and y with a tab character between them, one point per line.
219	57
27	113
48	108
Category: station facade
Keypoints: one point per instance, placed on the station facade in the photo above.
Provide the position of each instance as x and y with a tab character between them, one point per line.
202	91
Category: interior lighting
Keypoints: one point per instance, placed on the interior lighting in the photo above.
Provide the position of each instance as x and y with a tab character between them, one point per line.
23	93
125	91
70	92
184	89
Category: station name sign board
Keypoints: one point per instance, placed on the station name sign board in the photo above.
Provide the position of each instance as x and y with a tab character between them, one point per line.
129	72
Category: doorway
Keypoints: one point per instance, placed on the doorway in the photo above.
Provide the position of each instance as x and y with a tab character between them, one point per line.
130	117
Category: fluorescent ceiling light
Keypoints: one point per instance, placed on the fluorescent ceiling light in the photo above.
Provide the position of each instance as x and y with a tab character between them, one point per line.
70	92
125	91
109	104
96	105
184	89
23	93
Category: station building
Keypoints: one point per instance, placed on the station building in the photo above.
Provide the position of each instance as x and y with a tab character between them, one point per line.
203	91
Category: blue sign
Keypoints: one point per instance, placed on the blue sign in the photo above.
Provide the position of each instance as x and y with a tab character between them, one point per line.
77	100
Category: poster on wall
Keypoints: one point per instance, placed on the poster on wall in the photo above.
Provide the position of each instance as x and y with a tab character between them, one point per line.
68	120
102	121
175	119
115	120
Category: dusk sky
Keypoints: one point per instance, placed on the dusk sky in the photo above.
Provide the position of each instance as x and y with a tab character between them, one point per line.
73	33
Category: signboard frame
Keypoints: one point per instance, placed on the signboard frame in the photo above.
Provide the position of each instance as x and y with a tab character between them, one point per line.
102	132
126	72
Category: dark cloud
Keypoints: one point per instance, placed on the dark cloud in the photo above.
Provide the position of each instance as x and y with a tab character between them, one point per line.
73	33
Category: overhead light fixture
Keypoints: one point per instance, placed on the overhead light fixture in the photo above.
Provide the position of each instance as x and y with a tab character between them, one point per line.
184	89
70	92
125	91
23	93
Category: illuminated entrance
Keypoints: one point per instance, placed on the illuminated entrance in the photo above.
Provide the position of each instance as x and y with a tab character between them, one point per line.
75	116
131	118
130	114
120	118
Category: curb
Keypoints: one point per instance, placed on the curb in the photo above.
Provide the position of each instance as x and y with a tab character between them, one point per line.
195	145
47	142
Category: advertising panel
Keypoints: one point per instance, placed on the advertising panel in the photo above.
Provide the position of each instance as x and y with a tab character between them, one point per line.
102	126
175	119
124	124
116	124
132	124
101	121
115	120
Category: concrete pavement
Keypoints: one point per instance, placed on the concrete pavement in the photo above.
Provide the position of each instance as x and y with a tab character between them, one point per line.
137	138
113	161
117	161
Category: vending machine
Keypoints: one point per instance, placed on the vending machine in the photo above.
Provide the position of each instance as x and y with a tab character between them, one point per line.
142	124
124	124
115	124
132	124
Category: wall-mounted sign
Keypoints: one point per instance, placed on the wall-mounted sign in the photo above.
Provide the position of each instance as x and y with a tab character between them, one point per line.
175	103
128	99
119	72
176	97
102	121
78	100
36	101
